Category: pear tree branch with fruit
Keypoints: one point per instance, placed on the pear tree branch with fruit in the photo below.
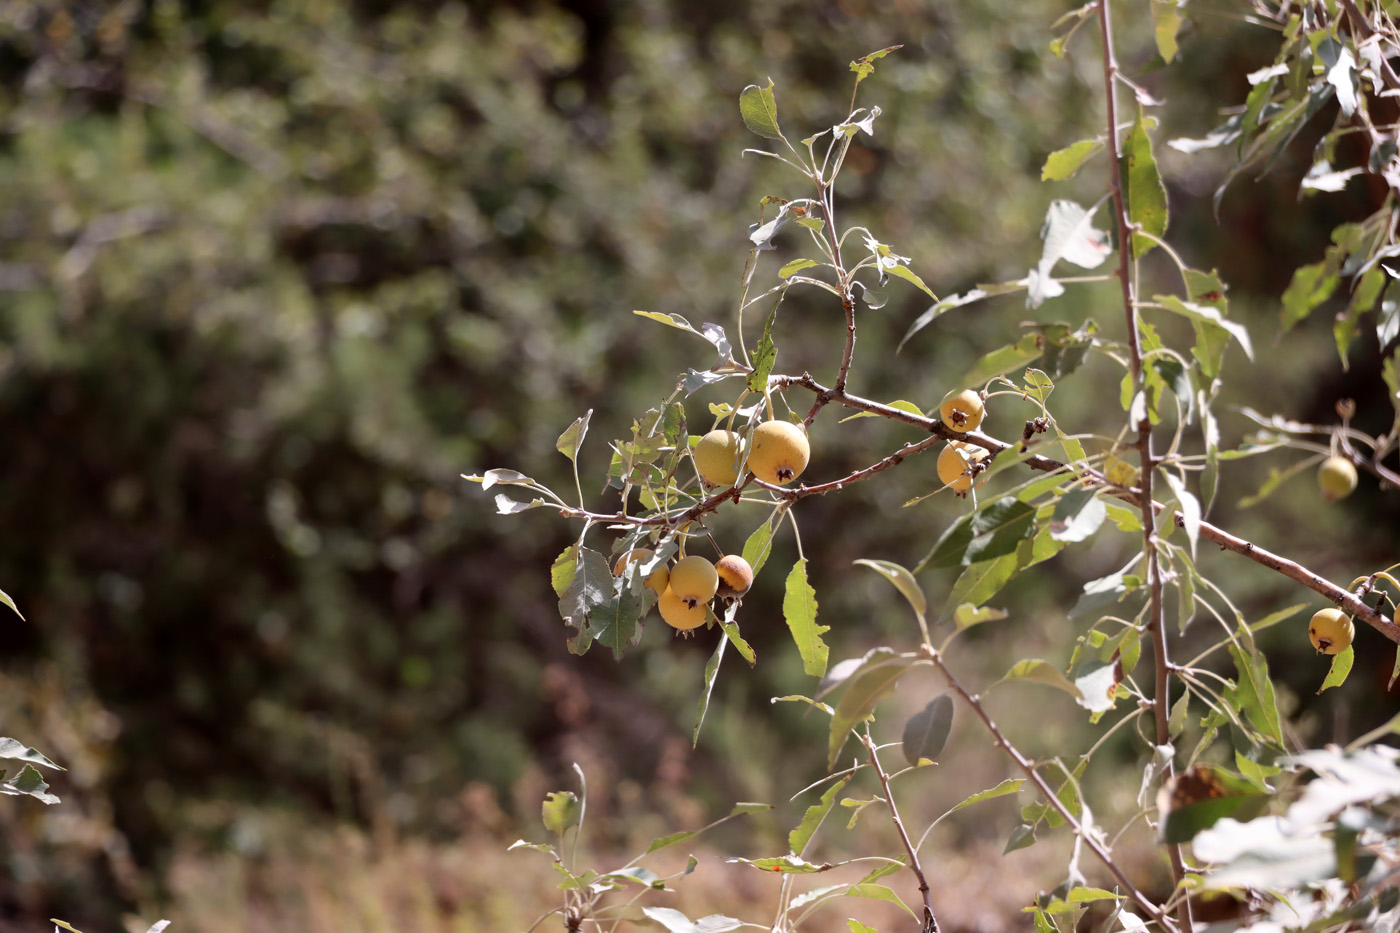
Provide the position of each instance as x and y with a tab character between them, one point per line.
1221	770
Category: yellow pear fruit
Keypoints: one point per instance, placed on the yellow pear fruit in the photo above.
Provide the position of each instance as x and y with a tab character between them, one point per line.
1336	477
679	614
717	457
735	576
1331	631
963	411
953	463
779	452
694	580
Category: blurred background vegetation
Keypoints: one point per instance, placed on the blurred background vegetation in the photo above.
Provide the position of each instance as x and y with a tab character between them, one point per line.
273	275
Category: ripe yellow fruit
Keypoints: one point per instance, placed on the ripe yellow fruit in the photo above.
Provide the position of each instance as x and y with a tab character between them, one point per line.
679	614
1336	477
717	457
963	411
953	463
779	453
735	576
694	580
656	581
1331	631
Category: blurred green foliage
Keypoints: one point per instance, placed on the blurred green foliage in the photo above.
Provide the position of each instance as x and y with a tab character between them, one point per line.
272	277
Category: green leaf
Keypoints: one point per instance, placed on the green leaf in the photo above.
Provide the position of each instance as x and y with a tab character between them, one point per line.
1341	667
759	109
614	623
1008	786
764	355
1023	836
1166	19
1078	514
878	892
998	529
5	598
870	683
711	672
1063	163
571	441
561	572
561	811
905	273
926	732
31	783
591	586
1311	286
1275	618
11	748
903	581
758	546
1253	693
1208	315
740	809
800	613
1002	361
899	404
1145	194
812	819
1042	672
795	266
968	615
785	864
855	926
731	630
864	66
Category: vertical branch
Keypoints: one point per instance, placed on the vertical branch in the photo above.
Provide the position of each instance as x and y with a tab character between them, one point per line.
1127	281
930	921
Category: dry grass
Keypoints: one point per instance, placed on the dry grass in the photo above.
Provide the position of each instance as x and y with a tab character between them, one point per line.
326	879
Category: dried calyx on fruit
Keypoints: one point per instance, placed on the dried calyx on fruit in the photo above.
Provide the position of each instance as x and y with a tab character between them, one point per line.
717	457
679	614
1331	631
778	452
1336	477
963	411
735	576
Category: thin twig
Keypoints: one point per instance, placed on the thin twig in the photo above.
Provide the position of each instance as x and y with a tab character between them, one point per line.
930	921
1146	903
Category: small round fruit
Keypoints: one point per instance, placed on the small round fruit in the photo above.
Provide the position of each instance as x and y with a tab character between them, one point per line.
1336	478
679	614
656	580
779	453
694	580
1331	631
953	463
717	457
963	412
735	576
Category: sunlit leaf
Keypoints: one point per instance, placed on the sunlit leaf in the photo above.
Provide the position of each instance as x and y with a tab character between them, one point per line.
1145	194
800	613
1341	667
571	441
814	816
759	110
